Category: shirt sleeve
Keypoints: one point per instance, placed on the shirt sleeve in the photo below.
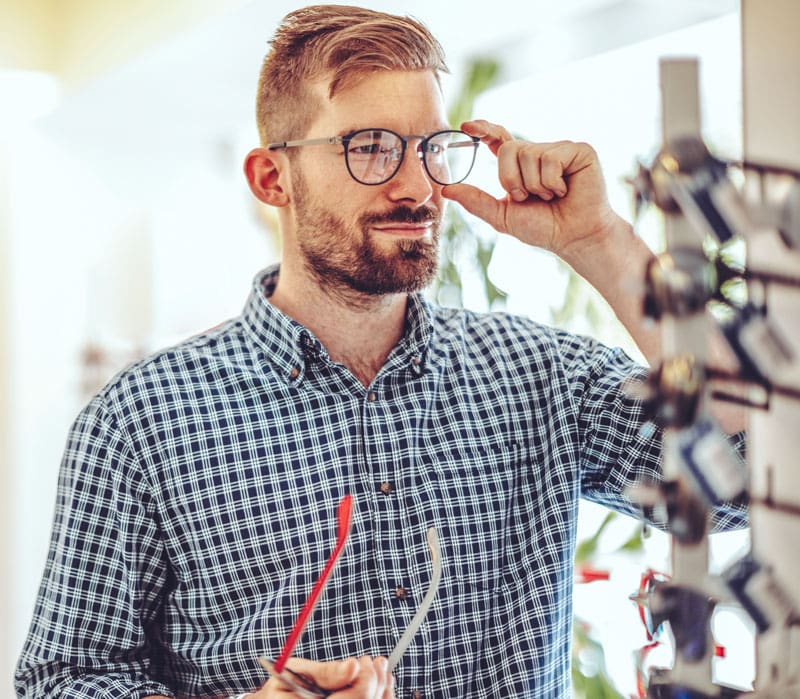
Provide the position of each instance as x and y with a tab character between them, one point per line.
620	447
104	579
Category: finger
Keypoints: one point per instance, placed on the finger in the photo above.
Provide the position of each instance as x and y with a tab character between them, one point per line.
518	161
382	675
552	171
541	171
544	167
493	135
274	687
330	675
389	680
563	159
518	176
478	203
503	145
368	685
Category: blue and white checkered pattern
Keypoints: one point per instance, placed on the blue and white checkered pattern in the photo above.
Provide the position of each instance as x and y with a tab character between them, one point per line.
198	493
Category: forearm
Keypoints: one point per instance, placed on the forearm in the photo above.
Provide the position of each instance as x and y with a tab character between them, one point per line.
615	264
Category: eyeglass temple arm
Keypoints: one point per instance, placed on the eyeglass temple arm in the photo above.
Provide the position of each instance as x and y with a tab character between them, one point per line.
331	141
344	516
336	140
465	144
411	629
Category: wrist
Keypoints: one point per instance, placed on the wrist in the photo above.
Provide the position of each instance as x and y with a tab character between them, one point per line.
599	256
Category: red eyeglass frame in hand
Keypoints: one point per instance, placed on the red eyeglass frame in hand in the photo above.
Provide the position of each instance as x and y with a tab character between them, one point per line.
300	683
344	518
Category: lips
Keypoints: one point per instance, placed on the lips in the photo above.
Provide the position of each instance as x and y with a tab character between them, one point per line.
406	230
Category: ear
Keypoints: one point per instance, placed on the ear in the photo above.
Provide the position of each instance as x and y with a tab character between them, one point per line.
264	169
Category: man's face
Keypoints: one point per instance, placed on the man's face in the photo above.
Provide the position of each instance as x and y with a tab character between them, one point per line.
373	239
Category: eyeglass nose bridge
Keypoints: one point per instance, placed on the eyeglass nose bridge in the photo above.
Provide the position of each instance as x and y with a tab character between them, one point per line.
398	154
418	151
395	157
392	158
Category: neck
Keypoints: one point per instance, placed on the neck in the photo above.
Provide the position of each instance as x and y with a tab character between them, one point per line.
358	330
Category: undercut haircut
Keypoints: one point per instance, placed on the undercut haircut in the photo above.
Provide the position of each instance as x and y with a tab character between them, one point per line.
340	43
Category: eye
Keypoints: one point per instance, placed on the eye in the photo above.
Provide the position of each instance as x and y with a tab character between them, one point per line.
434	148
365	149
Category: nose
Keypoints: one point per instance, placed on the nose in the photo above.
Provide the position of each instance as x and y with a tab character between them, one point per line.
411	182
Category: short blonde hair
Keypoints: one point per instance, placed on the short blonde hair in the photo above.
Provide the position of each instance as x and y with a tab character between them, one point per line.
339	41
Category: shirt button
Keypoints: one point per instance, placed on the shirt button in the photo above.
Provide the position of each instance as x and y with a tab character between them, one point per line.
294	373
371	397
416	694
386	487
401	592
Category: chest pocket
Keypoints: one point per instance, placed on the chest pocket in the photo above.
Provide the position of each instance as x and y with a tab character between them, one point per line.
476	489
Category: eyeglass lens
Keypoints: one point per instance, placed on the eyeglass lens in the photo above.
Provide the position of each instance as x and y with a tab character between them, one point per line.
375	155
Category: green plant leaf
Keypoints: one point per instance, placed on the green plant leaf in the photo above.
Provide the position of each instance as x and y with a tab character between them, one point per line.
459	244
635	542
587	548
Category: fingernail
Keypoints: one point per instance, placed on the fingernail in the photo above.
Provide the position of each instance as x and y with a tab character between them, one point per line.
519	195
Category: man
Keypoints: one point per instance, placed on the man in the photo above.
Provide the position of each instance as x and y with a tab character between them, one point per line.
198	495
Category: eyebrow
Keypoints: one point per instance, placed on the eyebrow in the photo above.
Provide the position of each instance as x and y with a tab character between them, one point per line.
436	129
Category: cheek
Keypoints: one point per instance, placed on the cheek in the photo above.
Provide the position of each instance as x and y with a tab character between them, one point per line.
329	182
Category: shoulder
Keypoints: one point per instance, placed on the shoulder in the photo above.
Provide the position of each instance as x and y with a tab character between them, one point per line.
206	359
496	326
512	342
508	332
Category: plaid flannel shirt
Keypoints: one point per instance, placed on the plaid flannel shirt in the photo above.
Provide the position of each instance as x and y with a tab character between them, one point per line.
198	492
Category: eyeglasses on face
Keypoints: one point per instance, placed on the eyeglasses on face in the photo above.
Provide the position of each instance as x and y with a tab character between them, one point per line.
373	156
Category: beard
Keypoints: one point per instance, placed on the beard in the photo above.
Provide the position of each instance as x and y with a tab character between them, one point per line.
346	258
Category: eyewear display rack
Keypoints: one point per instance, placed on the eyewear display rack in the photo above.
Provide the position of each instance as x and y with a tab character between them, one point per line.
709	206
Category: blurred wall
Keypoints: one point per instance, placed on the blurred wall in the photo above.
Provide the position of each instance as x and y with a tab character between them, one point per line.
79	39
6	639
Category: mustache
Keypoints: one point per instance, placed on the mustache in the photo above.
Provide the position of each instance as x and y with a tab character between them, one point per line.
403	214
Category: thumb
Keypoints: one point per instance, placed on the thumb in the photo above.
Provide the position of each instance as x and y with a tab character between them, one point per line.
337	674
478	203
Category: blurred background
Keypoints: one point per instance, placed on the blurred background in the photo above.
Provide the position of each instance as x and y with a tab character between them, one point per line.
126	224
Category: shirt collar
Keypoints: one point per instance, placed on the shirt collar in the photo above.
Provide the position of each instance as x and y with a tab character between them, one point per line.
289	346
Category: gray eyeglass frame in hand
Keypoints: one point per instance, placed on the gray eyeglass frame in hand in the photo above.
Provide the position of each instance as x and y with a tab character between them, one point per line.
425	148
